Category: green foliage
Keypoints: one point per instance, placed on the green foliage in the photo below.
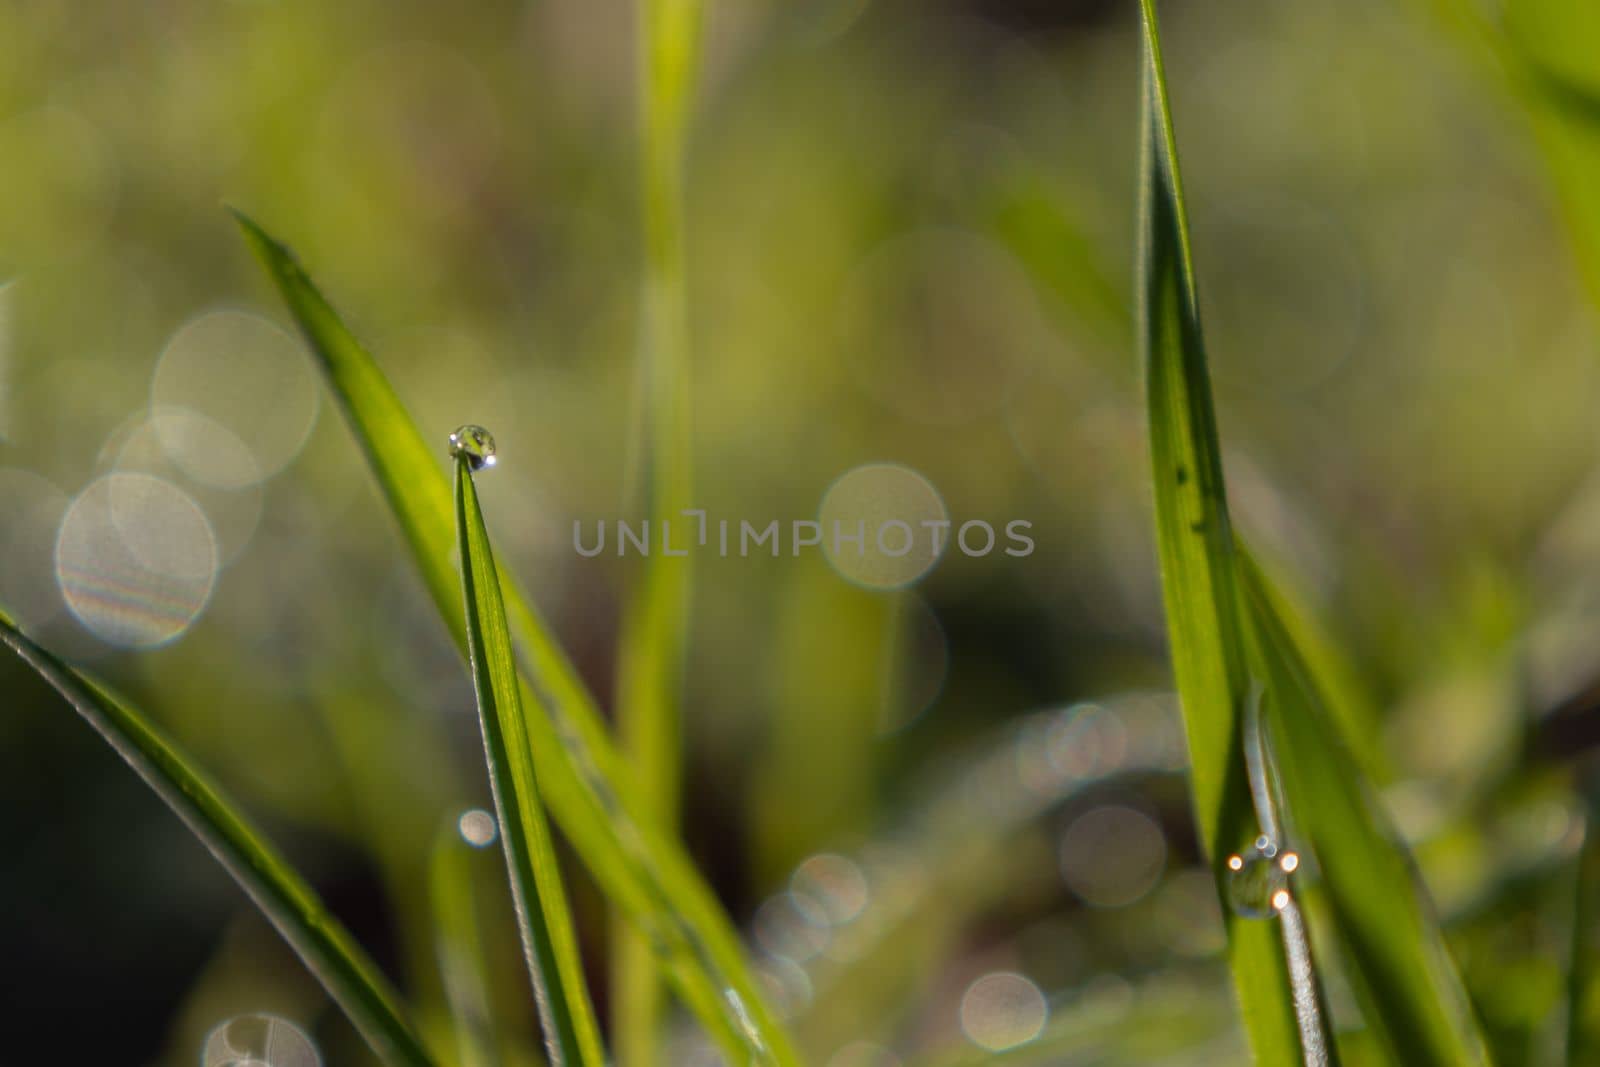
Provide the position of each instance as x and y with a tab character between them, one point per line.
571	1034
460	948
1409	988
655	629
1411	992
581	775
1196	548
328	950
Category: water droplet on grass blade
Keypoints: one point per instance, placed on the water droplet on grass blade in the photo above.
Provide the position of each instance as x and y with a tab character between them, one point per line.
1258	881
475	444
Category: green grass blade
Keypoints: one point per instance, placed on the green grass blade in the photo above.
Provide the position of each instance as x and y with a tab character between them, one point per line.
1583	965
1400	966
655	629
571	1034
1354	711
459	946
1196	550
1266	786
582	776
327	948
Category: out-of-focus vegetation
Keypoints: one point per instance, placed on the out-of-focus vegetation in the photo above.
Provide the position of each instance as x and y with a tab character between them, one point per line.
952	819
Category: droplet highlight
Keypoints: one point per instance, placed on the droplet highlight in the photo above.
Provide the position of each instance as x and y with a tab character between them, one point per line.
475	445
1258	881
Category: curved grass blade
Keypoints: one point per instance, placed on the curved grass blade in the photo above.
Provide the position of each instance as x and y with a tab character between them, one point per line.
653	646
1196	550
582	777
1400	966
329	952
571	1034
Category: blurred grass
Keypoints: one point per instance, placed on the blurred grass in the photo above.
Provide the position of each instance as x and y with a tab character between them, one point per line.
566	741
324	945
653	643
1403	354
463	965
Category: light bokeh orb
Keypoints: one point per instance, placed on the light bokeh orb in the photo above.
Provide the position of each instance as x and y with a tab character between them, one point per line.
883	526
142	445
136	560
829	888
1112	855
1003	1010
478	828
245	375
259	1040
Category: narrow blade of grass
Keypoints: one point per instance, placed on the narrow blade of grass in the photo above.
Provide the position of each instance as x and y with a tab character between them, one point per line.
1197	571
329	952
571	1034
1583	964
1354	712
1266	786
458	943
1410	992
583	778
655	628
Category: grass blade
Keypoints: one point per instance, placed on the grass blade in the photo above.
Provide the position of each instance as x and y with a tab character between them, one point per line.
582	777
329	952
1355	714
458	944
1412	994
1401	969
571	1034
1583	964
655	627
1266	786
1197	570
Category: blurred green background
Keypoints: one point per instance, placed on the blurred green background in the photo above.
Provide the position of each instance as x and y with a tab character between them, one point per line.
951	817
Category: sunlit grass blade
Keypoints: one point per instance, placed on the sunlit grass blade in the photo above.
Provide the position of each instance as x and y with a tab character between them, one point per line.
1197	570
571	1034
655	630
458	944
1400	966
1354	712
327	948
582	777
1266	786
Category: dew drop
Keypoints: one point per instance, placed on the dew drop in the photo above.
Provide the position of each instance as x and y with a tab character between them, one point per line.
475	444
1258	881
